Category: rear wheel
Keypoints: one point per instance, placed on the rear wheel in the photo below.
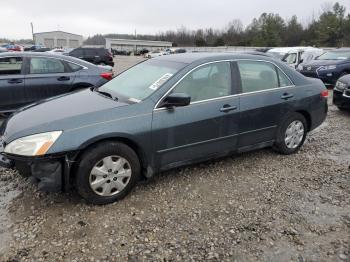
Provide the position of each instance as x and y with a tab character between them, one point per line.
107	173
291	134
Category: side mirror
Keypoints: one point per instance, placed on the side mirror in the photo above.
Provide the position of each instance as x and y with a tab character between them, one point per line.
301	60
176	100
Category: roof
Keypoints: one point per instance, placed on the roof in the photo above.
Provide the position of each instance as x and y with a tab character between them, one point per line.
57	31
45	54
188	58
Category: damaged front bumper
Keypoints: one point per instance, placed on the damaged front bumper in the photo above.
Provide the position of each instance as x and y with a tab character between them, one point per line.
52	173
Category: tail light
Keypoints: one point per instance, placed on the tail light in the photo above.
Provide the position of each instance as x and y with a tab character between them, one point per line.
110	54
107	75
324	93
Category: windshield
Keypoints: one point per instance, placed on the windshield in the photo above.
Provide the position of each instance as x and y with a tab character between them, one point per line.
142	80
339	55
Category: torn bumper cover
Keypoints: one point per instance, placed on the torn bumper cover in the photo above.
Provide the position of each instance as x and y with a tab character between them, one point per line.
51	173
48	174
4	161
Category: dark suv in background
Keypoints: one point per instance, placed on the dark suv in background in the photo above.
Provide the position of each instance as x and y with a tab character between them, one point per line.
97	56
329	67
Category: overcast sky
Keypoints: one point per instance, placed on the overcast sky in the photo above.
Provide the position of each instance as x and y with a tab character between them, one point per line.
88	17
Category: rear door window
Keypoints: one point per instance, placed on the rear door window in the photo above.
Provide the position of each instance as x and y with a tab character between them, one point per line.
257	76
10	65
40	65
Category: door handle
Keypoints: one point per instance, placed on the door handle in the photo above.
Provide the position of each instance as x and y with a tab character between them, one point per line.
63	78
227	108
15	81
286	96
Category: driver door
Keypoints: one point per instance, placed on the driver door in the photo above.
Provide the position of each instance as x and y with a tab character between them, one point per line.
207	127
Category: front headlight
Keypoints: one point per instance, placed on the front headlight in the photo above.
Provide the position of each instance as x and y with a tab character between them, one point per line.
340	85
34	145
330	67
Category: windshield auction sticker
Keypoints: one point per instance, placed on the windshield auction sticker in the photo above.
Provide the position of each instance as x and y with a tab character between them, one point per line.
160	81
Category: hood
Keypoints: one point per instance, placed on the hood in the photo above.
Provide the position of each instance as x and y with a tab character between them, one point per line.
61	113
325	62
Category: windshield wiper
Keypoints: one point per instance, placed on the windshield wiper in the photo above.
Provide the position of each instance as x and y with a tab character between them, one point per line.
105	94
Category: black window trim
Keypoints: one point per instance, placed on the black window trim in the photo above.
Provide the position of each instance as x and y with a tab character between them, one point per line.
239	93
47	57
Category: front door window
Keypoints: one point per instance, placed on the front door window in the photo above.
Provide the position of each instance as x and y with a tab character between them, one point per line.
207	82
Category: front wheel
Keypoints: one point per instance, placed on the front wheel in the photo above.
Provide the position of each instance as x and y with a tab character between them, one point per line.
291	134
107	172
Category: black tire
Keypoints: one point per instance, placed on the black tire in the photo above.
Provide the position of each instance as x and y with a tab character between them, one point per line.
280	144
94	155
341	108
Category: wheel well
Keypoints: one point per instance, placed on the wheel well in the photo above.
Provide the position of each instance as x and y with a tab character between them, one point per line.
307	117
141	155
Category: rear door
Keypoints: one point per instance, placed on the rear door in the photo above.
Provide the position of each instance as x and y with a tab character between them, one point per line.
12	91
47	77
267	95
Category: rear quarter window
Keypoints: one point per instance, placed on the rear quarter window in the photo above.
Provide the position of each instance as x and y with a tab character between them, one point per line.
74	67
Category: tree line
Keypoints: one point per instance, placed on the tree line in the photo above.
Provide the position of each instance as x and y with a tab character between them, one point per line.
330	29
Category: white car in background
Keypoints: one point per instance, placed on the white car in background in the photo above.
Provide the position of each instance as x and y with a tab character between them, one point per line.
156	53
57	51
294	56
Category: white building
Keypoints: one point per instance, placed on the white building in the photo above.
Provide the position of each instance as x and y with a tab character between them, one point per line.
58	39
135	45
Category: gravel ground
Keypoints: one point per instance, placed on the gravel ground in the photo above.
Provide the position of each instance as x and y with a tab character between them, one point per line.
257	206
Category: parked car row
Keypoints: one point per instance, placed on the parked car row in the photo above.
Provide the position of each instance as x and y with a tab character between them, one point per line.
328	67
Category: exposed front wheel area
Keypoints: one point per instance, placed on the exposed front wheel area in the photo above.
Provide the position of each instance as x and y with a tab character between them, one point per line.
107	172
